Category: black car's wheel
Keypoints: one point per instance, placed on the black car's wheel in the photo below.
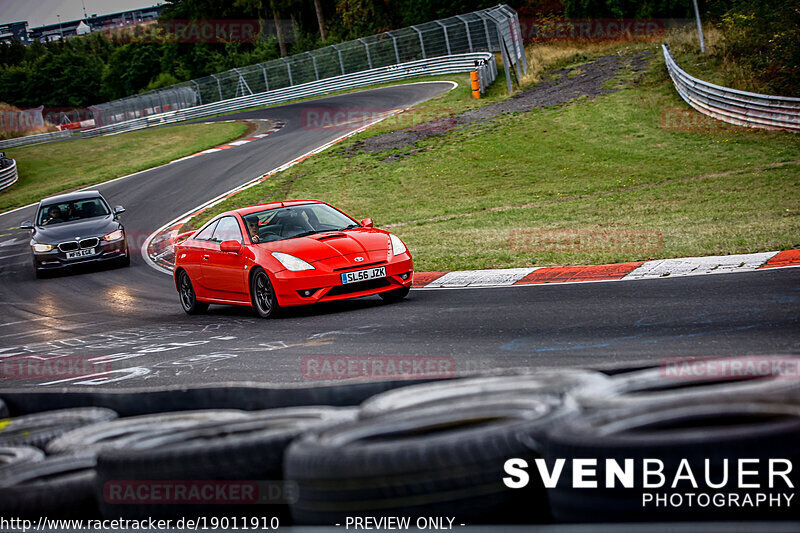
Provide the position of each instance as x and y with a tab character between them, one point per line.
395	295
188	299
262	294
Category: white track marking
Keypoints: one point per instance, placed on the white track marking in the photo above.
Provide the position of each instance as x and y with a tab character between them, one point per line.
481	278
692	266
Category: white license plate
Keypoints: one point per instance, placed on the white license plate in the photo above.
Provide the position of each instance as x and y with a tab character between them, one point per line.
80	253
363	275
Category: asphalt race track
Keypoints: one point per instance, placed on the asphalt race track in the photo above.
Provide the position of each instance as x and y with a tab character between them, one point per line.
130	318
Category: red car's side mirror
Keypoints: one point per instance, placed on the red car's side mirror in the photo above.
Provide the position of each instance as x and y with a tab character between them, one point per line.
367	223
233	247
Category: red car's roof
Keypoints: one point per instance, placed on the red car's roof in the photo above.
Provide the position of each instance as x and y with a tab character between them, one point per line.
272	205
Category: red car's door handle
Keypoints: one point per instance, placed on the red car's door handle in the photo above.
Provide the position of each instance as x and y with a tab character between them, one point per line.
206	257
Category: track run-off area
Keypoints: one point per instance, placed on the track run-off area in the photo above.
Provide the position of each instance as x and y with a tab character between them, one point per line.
129	323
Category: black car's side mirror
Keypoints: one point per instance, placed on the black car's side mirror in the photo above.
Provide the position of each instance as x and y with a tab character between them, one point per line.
26	225
118	210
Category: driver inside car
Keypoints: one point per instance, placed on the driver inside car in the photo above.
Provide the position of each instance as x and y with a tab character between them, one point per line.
252	229
54	216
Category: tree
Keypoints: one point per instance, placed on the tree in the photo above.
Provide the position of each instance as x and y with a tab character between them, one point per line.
320	19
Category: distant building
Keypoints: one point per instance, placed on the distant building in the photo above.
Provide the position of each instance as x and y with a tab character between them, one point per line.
14	30
63	30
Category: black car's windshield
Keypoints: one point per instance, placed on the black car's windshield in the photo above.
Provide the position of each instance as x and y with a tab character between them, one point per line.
60	212
295	221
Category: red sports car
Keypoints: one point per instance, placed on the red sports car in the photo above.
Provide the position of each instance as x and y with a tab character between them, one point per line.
289	253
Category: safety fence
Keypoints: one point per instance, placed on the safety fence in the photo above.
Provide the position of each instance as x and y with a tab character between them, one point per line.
8	172
490	30
484	63
734	107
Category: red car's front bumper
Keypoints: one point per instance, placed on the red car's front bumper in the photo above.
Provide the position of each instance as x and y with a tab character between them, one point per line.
312	286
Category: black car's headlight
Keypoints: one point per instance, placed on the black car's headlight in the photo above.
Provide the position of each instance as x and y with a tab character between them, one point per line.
42	247
115	235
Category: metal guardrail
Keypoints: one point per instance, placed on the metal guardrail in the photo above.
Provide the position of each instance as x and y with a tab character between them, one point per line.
483	62
35	139
8	172
732	106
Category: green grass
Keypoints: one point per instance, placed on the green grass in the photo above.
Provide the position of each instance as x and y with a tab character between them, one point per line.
605	166
46	169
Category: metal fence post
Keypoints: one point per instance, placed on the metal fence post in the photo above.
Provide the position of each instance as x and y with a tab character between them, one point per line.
266	82
366	48
314	60
421	42
219	86
341	61
446	38
288	69
394	42
199	96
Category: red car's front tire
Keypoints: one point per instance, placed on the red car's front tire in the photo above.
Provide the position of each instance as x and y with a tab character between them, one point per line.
262	294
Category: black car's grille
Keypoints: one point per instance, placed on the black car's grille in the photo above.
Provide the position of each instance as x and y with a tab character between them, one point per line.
358	287
71	246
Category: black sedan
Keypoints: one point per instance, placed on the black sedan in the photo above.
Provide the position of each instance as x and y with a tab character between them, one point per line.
76	228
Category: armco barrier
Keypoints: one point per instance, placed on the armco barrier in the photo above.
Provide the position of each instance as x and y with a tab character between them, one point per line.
35	139
483	62
732	106
8	173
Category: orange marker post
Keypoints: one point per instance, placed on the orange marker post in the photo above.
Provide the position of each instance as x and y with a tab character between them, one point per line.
476	87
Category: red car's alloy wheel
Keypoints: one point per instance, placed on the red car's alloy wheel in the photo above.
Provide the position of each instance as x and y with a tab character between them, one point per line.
263	295
188	298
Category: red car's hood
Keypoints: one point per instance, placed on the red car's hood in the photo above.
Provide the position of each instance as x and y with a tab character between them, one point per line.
371	243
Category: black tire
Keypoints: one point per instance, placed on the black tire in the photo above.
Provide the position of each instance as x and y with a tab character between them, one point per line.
247	396
422	464
395	295
12	455
40	428
56	487
656	387
124	432
249	450
715	432
189	302
262	294
474	391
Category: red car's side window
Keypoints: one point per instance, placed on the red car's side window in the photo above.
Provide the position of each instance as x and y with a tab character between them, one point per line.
206	233
227	230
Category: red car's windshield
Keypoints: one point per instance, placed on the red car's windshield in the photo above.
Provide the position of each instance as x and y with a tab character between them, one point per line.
295	221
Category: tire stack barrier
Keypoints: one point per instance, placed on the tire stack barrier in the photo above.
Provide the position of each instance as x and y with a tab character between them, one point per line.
411	449
8	172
